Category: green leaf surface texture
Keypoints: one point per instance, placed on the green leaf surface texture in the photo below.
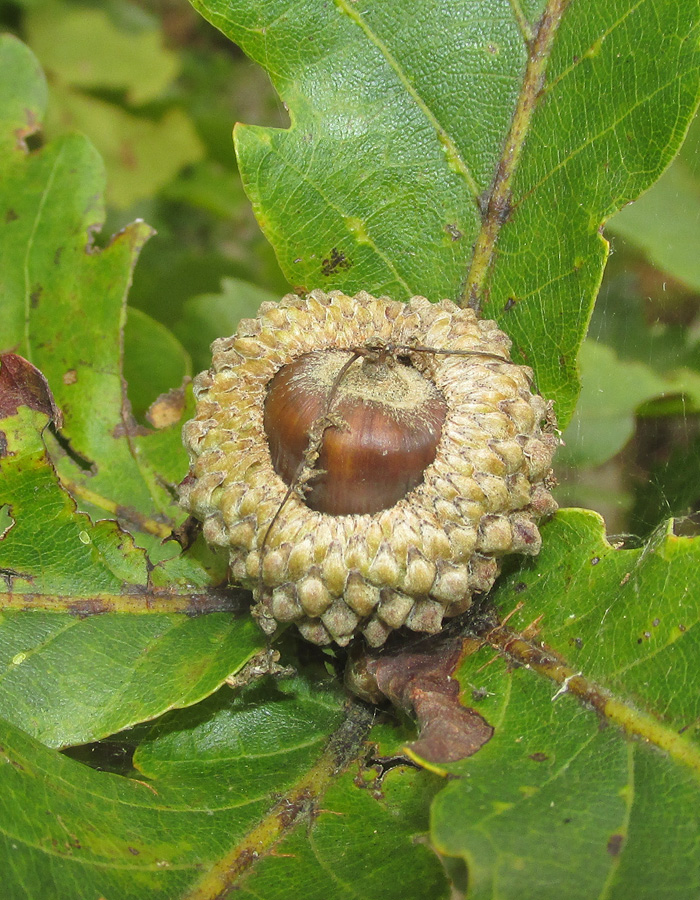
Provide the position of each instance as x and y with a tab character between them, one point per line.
185	814
665	223
64	303
64	309
65	678
463	150
555	798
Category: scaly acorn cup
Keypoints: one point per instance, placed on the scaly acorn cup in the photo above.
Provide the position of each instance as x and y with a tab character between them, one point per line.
367	463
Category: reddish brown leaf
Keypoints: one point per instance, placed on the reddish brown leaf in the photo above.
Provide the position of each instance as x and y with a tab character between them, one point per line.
22	384
419	680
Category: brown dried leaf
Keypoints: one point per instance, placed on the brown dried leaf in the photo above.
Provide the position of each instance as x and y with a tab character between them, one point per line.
420	681
22	384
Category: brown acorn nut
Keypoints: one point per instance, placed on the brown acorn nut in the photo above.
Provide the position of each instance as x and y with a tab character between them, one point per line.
389	423
367	462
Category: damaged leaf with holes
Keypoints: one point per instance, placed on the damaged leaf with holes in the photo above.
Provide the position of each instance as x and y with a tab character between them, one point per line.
68	448
71	674
617	629
202	780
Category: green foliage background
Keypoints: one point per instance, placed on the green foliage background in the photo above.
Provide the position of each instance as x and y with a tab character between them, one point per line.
128	767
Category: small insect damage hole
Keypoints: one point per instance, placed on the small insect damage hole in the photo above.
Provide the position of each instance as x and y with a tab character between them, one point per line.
33	140
82	462
113	756
384	764
7	521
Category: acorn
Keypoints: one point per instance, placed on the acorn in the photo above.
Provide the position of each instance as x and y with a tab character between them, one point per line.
367	463
389	421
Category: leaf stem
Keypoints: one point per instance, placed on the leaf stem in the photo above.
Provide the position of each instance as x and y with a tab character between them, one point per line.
523	23
141	602
498	207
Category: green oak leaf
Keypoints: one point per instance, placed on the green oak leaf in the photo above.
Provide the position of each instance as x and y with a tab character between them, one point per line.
665	222
556	803
464	151
68	679
88	506
255	793
64	309
267	791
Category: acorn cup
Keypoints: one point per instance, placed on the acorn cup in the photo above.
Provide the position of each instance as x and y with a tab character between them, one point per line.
367	463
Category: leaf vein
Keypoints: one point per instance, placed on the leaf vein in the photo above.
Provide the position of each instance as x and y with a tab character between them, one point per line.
443	137
380	253
30	245
593	138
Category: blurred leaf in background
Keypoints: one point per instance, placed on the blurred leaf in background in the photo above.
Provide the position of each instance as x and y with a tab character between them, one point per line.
157	92
631	449
89	53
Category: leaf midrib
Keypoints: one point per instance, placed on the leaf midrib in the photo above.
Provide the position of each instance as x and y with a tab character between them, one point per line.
538	657
30	245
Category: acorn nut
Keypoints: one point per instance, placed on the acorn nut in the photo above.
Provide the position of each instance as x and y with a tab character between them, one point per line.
367	463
